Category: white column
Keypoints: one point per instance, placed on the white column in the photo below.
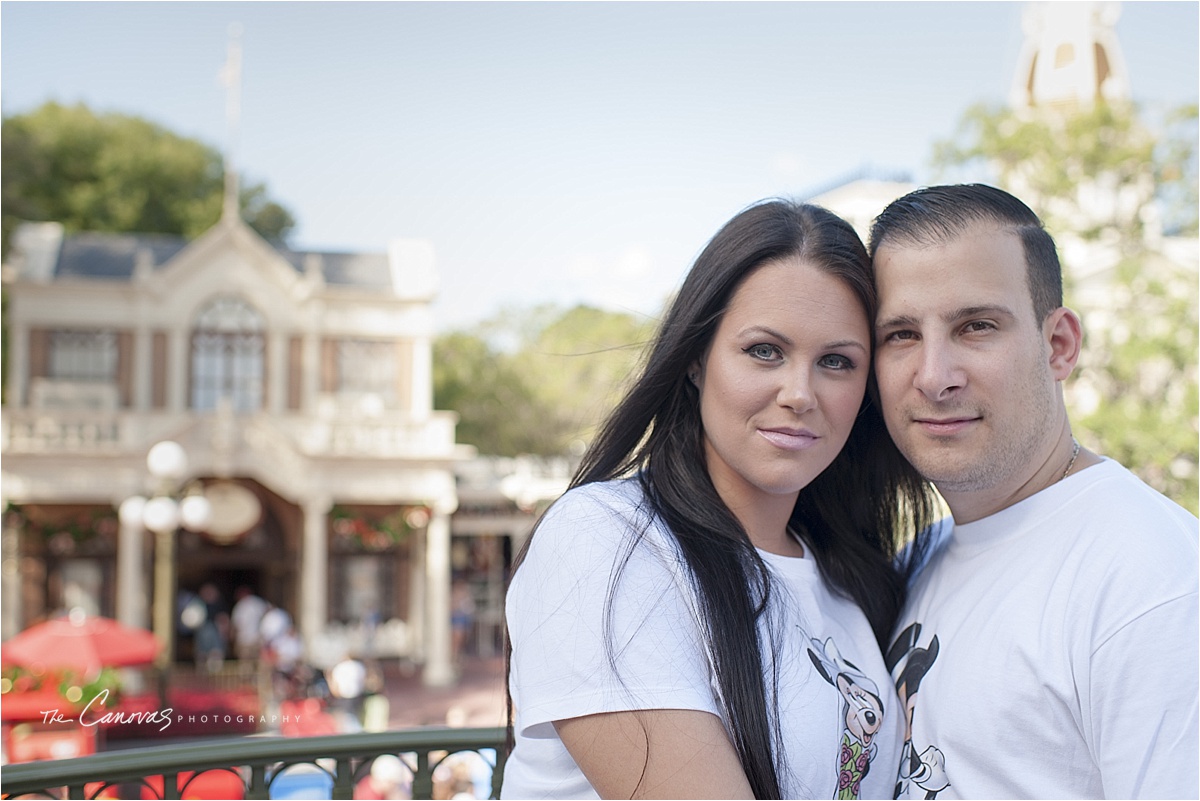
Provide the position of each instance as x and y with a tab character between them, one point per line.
131	577
143	383
416	598
314	569
422	377
177	370
18	364
10	577
277	371
311	379
439	670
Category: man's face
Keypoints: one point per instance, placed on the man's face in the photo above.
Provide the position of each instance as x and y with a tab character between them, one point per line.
963	365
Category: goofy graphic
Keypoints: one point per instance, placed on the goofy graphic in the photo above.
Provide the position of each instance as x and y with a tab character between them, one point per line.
928	770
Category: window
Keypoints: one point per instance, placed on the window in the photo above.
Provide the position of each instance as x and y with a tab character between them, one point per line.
365	369
89	356
227	356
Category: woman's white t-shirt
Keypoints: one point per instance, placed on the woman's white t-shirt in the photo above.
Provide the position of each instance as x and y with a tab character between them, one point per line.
575	654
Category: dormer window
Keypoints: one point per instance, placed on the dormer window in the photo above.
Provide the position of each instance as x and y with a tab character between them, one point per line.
227	356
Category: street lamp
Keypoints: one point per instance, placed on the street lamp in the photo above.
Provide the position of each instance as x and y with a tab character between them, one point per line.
172	505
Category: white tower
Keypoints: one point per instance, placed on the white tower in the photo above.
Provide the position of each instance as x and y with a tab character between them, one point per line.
1070	56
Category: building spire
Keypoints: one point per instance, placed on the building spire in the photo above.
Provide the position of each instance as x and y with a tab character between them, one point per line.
231	77
1070	58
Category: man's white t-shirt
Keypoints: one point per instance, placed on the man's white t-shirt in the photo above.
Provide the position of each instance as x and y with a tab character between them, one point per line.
1050	650
561	667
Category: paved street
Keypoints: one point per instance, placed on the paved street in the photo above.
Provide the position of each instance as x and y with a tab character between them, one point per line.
477	700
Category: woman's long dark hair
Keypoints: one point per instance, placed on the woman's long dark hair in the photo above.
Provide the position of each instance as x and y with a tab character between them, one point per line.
852	515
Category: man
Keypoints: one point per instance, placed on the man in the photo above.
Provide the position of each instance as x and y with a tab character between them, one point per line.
1049	645
247	615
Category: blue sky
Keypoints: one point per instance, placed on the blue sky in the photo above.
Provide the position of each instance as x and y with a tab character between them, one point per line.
565	152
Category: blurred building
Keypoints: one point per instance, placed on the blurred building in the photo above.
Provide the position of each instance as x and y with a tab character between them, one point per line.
298	383
499	500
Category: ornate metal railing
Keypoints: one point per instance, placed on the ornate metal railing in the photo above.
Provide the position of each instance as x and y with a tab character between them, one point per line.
260	764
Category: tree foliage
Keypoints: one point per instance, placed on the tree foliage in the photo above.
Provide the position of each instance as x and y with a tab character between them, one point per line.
537	380
1108	187
112	172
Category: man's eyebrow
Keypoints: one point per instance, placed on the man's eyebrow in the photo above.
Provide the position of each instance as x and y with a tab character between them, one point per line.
899	321
907	320
975	311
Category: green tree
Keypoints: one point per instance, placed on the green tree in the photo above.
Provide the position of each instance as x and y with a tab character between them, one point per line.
537	380
498	411
112	172
1107	185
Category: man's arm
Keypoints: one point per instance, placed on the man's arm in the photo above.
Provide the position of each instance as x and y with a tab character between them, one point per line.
1144	686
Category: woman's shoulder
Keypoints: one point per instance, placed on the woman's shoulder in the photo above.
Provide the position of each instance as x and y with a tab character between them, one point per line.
601	500
598	519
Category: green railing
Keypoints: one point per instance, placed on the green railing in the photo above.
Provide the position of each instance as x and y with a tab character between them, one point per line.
259	762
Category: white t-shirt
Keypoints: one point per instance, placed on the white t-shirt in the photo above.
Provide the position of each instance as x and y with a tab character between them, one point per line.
246	617
1066	655
659	660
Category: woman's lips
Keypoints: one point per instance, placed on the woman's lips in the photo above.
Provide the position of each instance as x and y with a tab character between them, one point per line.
789	439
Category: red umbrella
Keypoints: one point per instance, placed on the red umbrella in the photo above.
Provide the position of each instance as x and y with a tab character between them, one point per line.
82	644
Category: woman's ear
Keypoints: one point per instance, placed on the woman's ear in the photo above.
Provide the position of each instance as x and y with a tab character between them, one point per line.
695	374
1064	335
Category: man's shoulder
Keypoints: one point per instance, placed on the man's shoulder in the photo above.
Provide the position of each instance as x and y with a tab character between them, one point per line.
1113	498
1129	535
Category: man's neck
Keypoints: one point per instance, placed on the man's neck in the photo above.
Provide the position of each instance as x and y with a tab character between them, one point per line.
970	506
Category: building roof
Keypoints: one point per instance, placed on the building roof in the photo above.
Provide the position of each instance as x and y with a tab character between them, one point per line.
365	270
42	252
98	255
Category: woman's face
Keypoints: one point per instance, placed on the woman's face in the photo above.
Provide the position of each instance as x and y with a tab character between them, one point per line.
781	382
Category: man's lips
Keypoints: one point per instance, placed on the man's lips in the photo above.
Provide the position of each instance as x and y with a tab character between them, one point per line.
945	425
789	439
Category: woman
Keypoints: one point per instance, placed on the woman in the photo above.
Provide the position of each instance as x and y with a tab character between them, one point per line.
700	614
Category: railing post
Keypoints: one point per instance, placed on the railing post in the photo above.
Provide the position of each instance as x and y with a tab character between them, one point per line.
257	789
170	786
498	771
423	779
343	780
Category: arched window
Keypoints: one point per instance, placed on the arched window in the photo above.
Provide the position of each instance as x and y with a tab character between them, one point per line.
227	356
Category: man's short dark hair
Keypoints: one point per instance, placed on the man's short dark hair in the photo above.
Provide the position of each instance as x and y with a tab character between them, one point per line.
936	214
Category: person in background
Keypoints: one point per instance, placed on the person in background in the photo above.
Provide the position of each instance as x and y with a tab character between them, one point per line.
462	619
700	615
212	635
246	618
1049	646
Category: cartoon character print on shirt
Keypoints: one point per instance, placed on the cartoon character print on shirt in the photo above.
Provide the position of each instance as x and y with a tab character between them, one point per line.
908	663
862	714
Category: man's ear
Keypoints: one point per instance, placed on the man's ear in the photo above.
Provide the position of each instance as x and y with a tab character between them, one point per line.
1064	335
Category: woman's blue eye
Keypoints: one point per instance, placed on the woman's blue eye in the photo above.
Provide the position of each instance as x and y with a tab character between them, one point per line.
763	351
837	362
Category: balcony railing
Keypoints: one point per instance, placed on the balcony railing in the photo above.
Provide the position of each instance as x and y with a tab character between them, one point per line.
259	764
84	431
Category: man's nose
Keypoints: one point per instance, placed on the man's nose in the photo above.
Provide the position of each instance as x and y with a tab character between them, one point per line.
939	373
